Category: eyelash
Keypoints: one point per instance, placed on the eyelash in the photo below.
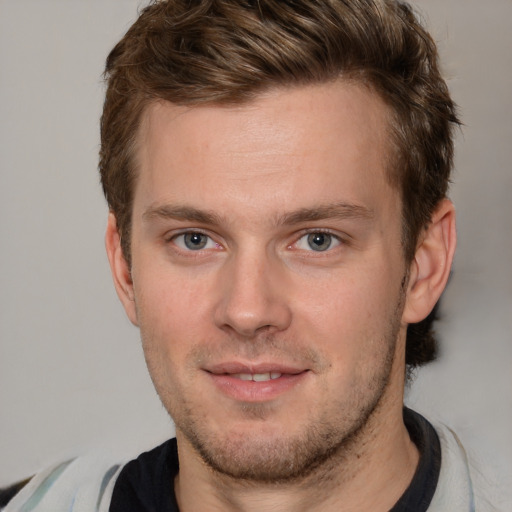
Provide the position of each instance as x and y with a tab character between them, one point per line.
319	231
338	240
175	236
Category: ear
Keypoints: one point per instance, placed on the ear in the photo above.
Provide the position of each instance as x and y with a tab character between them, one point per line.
430	268
120	270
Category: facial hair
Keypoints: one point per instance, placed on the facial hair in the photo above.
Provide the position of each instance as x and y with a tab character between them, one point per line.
323	443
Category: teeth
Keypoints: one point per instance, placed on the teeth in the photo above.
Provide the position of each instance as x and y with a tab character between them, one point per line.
257	377
261	377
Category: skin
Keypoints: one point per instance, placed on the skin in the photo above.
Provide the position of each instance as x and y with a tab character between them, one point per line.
266	239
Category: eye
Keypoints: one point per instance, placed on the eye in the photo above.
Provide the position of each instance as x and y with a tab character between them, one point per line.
194	241
317	241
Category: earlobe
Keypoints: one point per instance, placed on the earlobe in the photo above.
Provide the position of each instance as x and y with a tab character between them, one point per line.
430	269
120	270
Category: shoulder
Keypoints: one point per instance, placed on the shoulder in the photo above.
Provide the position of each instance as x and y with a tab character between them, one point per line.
460	486
77	485
95	482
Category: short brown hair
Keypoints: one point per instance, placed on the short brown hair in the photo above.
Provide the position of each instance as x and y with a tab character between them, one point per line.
192	52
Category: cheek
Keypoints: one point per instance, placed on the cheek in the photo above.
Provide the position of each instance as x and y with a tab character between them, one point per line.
169	326
172	312
348	318
339	304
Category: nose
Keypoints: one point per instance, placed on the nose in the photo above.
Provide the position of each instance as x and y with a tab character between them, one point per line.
253	295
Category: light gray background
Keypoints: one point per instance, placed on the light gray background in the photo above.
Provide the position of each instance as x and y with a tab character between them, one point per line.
72	375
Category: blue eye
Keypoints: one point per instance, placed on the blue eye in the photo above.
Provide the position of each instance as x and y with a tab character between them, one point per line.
319	242
194	241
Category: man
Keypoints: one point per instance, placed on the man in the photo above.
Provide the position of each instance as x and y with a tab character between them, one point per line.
279	230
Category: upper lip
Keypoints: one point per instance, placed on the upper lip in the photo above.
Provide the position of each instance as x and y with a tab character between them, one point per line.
234	368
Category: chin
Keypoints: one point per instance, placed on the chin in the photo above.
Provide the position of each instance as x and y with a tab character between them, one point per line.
263	450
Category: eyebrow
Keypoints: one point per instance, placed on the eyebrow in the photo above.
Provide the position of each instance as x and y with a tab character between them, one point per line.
330	211
322	212
185	213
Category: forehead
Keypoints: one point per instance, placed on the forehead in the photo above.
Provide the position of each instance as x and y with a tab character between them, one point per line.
292	144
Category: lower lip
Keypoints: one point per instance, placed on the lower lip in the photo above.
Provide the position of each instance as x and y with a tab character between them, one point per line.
251	391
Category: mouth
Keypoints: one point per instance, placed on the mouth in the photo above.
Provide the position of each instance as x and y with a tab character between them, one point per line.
255	383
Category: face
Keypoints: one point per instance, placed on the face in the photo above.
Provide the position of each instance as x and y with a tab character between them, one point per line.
267	275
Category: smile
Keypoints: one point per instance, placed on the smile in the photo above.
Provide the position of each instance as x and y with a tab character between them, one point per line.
255	382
